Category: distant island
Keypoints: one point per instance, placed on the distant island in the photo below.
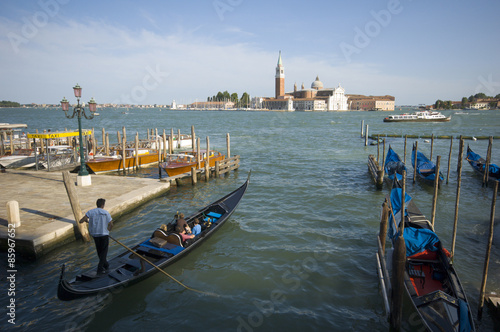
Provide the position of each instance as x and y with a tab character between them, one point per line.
477	101
6	103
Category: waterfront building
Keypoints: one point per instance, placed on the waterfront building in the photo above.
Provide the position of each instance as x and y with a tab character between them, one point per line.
317	98
371	103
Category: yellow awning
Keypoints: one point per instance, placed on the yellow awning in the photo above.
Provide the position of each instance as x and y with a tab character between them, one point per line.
61	134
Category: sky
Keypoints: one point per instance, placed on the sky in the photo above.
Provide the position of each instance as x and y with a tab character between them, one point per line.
154	52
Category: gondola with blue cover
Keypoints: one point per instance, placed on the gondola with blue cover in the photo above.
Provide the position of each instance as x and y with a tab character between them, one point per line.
430	280
426	169
128	268
393	166
479	165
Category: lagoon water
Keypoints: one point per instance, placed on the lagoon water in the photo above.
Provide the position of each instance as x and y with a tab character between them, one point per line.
299	252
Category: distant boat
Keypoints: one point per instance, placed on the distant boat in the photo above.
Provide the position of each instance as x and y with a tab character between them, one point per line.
419	116
426	169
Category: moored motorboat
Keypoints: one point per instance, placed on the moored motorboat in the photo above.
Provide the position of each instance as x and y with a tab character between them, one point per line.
20	158
430	280
128	268
102	164
419	116
426	169
183	162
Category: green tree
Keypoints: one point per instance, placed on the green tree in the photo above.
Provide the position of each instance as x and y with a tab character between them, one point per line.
438	104
226	95
220	96
234	97
465	101
245	100
6	103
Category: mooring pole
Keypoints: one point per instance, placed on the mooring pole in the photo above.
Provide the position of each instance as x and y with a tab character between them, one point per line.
457	201
488	252
362	127
193	139
137	151
488	161
449	161
366	136
432	145
415	163
384	219
404	159
436	187
460	150
398	268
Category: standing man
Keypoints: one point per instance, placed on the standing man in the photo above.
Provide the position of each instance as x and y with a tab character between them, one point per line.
100	223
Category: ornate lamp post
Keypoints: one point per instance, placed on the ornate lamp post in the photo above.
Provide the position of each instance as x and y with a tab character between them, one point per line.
80	110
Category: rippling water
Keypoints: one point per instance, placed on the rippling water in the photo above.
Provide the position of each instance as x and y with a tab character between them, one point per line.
299	252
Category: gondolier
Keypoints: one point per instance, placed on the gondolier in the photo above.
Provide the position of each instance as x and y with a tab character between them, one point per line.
100	223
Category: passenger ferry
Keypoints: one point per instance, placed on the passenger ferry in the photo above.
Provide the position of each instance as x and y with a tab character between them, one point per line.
419	116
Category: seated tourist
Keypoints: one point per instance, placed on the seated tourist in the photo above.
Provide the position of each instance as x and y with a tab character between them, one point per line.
161	232
196	228
185	236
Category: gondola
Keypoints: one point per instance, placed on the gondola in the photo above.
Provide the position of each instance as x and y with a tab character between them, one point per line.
479	164
430	279
127	268
426	169
393	165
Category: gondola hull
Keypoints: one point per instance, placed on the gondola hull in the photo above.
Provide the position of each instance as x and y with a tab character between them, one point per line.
426	169
430	280
128	268
479	165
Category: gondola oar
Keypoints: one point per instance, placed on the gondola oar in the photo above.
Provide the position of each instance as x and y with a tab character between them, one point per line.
159	269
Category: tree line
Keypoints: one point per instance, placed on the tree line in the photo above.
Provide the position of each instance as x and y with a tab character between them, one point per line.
6	103
244	101
466	102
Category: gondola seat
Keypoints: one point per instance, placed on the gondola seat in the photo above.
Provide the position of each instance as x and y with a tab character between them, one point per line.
175	239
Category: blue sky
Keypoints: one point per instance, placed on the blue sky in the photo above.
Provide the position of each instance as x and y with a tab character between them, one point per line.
156	51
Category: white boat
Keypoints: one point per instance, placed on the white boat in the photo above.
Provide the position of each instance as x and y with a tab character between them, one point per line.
419	116
20	158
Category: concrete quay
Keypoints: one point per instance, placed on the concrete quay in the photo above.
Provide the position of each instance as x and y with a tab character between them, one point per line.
47	220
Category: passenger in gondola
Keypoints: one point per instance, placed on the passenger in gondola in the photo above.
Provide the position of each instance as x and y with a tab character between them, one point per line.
196	228
181	222
184	234
160	232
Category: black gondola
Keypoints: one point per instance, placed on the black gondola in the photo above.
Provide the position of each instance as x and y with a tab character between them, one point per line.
127	268
479	164
426	169
430	279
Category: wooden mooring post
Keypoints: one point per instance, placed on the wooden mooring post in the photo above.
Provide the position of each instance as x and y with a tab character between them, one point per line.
193	138
449	161
436	187
398	268
228	145
488	161
362	128
457	201
75	205
488	253
366	136
415	167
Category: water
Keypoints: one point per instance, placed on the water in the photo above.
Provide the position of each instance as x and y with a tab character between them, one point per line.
299	252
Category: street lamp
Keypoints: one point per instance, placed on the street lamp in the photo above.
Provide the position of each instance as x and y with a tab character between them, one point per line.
80	110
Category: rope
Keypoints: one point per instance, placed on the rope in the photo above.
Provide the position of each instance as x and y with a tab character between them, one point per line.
159	269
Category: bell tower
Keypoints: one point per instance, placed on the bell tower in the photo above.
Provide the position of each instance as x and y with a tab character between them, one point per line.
280	78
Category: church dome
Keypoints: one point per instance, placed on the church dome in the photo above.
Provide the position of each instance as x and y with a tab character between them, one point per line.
318	85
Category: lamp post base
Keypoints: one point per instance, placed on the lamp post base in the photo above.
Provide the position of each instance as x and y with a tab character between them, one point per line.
83	180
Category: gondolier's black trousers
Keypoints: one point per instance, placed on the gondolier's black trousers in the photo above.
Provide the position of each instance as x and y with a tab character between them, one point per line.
101	245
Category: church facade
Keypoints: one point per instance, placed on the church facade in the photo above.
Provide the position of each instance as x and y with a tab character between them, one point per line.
316	98
319	99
